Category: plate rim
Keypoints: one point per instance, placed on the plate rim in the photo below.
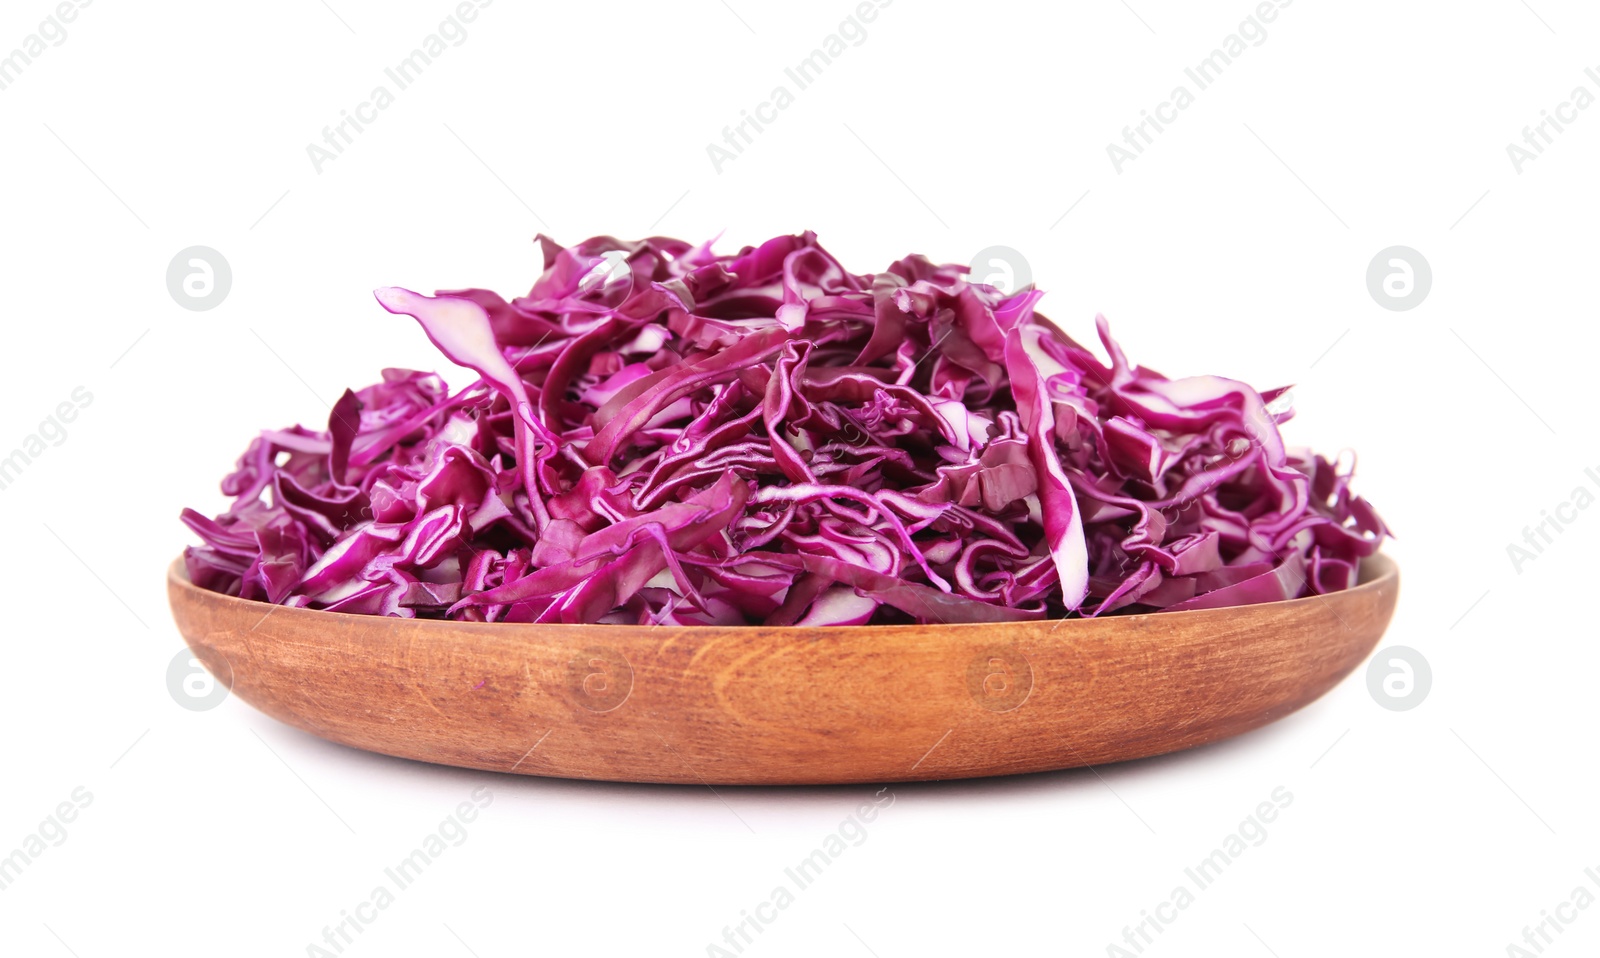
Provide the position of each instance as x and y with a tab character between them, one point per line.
1376	572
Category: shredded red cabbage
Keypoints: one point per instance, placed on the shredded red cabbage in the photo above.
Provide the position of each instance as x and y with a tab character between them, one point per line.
660	434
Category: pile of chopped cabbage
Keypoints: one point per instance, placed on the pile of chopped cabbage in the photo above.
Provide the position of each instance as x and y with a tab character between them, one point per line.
663	435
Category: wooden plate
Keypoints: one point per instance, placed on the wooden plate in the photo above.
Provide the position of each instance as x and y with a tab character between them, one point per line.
773	706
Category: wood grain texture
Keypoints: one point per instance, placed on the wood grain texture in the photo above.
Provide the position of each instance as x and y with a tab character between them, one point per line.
790	705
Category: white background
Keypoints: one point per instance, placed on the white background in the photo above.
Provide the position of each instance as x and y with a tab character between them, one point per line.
1237	244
